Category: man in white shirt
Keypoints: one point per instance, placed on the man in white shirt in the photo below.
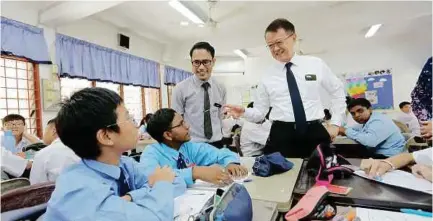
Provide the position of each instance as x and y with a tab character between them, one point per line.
254	136
408	118
12	164
292	87
51	160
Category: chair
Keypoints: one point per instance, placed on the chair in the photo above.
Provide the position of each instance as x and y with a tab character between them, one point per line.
8	185
25	202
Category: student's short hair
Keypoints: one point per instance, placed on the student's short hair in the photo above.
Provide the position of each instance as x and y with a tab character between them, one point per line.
203	45
12	117
51	121
250	105
83	115
280	23
358	101
146	119
159	123
402	104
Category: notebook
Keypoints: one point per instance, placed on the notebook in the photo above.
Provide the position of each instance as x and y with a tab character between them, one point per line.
191	203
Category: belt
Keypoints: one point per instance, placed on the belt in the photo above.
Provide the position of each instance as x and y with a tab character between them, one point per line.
293	123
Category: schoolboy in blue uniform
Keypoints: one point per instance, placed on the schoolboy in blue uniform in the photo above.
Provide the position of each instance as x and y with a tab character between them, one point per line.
105	185
188	159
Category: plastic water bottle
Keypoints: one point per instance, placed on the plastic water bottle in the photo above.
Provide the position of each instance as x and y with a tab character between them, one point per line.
9	141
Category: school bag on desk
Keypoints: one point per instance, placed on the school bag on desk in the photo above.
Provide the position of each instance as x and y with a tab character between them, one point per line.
232	204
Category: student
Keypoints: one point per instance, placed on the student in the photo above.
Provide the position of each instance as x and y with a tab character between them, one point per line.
17	124
49	162
200	97
422	169
254	136
190	160
143	123
105	185
378	132
408	118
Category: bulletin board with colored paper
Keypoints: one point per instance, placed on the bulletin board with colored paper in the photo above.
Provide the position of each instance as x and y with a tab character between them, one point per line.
377	88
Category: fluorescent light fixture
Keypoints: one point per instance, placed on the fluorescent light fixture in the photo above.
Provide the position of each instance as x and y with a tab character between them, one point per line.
184	23
240	53
178	6
372	31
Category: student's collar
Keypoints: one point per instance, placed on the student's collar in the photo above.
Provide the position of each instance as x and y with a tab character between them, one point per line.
199	82
294	60
57	140
110	170
170	151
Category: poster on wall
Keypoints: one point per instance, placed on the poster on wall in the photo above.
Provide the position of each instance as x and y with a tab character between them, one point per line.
375	86
51	93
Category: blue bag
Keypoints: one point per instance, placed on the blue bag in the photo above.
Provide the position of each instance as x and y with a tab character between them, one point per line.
268	165
234	205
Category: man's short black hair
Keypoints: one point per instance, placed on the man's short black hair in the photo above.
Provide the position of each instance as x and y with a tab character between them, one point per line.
146	119
280	23
402	104
358	101
159	123
83	115
250	105
51	121
203	45
12	117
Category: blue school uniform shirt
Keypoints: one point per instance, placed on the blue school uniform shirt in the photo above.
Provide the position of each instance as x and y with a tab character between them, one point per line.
195	154
379	133
88	190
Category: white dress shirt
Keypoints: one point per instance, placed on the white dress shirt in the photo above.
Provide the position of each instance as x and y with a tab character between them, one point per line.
11	163
254	137
411	122
423	156
50	162
274	92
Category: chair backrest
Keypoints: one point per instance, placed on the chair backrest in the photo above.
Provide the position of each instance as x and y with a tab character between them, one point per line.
27	196
403	127
8	185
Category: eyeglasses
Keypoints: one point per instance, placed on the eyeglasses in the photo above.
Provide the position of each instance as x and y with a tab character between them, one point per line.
182	123
279	43
129	118
197	63
14	124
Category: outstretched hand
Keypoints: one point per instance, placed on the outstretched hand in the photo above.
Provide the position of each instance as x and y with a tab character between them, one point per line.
234	111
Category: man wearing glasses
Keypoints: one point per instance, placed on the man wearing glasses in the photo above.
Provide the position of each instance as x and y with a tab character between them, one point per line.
292	87
16	124
200	97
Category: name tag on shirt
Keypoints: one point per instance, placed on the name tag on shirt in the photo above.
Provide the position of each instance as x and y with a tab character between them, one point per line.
310	77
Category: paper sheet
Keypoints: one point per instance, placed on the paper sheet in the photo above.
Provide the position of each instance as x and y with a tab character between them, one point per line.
381	215
202	185
190	203
402	179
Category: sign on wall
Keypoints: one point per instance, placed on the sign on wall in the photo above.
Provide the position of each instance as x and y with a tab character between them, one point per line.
51	93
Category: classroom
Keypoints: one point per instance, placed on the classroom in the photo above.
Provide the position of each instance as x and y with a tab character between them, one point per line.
216	110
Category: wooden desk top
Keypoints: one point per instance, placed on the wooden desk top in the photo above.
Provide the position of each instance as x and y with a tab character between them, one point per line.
370	194
277	188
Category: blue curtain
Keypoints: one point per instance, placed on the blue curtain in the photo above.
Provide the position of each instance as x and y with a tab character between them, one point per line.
174	75
23	40
80	59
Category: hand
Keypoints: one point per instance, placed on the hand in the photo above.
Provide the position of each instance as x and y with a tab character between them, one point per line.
127	198
234	111
212	174
342	131
237	170
426	130
374	167
422	171
161	174
21	154
333	131
29	164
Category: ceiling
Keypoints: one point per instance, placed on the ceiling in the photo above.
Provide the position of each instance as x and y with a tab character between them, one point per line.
323	26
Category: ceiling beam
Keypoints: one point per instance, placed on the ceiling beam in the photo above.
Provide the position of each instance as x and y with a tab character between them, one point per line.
66	12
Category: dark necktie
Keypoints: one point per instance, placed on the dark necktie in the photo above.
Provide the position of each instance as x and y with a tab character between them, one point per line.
181	162
298	107
206	112
122	184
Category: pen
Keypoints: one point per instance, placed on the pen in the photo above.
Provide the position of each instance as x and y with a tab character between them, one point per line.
416	212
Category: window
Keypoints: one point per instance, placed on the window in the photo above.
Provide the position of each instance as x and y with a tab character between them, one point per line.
20	93
152	100
70	85
169	91
110	86
133	101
